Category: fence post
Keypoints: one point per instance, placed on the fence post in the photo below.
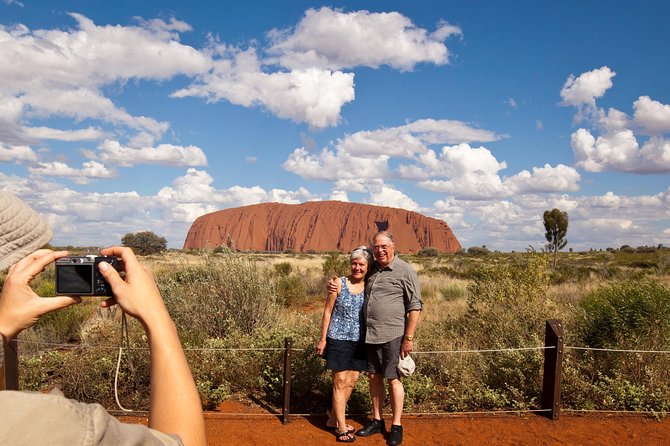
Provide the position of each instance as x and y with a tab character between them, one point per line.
9	366
288	343
553	368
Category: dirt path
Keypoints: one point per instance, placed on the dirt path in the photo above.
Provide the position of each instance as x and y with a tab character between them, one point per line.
472	431
236	424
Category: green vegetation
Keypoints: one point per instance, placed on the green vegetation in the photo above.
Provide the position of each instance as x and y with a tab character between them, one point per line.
145	243
233	312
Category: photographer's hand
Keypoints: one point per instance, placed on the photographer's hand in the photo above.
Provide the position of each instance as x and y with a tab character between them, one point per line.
175	406
20	307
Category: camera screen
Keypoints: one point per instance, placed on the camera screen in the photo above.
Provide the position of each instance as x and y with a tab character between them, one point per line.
74	279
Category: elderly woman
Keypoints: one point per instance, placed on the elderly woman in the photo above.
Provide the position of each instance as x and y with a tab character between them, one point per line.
342	340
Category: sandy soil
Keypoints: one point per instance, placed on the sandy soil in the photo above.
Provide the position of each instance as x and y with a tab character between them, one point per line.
237	424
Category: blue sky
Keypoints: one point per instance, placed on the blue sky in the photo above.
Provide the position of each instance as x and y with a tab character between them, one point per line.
144	115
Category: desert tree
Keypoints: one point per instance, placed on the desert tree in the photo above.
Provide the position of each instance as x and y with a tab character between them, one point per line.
556	225
145	243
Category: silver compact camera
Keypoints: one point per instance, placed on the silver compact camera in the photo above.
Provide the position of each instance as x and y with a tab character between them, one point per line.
79	276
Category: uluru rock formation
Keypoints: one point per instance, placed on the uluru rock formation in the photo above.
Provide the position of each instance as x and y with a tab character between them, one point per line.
317	226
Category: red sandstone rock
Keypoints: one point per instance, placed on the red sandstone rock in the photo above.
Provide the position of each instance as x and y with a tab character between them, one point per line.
317	226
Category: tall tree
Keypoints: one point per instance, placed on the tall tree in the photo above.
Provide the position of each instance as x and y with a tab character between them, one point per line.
556	225
145	243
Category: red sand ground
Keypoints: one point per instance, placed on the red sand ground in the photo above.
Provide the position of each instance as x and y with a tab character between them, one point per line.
237	424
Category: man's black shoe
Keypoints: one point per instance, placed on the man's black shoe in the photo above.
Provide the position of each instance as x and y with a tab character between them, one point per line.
395	437
373	427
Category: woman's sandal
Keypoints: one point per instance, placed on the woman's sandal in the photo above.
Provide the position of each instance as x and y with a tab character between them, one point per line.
345	437
350	428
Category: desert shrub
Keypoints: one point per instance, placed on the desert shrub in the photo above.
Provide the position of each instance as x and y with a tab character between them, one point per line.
290	290
336	264
478	251
63	326
507	308
629	315
209	301
419	389
429	252
283	269
36	371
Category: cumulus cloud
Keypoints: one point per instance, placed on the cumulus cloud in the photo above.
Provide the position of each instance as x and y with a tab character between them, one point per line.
10	153
652	116
87	134
113	152
332	166
472	172
101	219
53	72
381	194
594	221
311	95
584	89
365	154
545	179
612	143
331	39
90	170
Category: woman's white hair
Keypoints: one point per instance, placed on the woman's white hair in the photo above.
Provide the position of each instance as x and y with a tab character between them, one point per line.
362	252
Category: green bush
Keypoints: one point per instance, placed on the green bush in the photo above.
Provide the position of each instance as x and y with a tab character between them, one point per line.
283	269
231	294
628	315
429	252
290	290
336	264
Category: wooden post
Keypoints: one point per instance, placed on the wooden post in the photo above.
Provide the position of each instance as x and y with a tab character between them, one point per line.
288	343
9	366
553	368
3	386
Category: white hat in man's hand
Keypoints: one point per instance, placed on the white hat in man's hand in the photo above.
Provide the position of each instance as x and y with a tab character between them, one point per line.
406	366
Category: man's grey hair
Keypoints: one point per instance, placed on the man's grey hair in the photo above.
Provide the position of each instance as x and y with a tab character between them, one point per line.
385	234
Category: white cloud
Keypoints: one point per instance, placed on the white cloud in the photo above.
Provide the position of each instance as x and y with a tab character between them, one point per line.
620	151
101	219
616	147
113	152
331	39
652	116
61	72
331	166
607	220
386	195
583	90
365	154
90	170
86	134
309	95
10	153
472	172
545	179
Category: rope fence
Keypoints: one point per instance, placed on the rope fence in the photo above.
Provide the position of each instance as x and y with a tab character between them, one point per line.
553	349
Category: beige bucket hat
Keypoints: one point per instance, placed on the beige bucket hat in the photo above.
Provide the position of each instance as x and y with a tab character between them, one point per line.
22	230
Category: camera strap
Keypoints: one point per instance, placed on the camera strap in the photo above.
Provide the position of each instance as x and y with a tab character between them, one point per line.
124	330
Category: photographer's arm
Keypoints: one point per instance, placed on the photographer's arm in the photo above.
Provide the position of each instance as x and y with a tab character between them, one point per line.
175	403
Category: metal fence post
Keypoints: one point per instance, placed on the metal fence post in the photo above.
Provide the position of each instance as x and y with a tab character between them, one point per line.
288	343
553	368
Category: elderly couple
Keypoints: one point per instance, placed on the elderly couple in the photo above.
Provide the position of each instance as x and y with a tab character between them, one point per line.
368	324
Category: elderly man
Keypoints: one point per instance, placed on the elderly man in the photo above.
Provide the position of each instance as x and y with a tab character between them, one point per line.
392	308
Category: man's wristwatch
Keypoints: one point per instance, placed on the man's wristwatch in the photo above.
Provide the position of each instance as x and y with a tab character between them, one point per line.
409	337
